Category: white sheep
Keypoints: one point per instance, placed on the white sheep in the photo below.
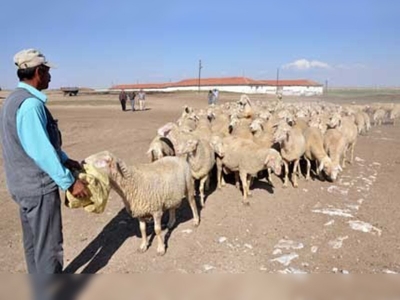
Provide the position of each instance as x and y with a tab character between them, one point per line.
160	147
315	151
348	128
394	113
335	146
149	190
293	146
201	159
378	116
245	158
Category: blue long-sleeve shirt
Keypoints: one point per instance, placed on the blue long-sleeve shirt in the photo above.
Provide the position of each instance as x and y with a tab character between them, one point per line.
31	129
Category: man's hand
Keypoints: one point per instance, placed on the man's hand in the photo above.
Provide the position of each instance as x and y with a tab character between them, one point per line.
72	165
78	189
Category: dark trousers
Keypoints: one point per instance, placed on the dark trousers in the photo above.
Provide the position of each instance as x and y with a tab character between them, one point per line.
123	105
42	232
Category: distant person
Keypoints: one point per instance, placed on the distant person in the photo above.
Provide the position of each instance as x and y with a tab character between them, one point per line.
211	97
216	95
142	100
132	97
35	165
122	99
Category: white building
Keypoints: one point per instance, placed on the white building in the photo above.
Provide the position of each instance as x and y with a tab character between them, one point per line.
242	85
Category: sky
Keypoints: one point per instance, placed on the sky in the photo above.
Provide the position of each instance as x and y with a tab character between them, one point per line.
101	43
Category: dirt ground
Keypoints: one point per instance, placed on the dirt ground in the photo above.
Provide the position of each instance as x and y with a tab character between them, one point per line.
310	229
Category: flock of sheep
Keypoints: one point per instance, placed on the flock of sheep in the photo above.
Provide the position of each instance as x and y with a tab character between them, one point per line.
247	139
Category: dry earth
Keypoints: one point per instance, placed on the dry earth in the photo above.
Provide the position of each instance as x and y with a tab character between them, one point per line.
311	229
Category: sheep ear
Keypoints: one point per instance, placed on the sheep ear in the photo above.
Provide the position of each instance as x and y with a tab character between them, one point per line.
122	169
101	163
163	131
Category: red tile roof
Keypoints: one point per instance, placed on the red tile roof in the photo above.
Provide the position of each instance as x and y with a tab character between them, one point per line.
219	82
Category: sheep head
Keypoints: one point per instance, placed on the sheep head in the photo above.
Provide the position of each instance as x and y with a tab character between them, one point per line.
244	100
335	120
188	147
327	166
106	162
281	132
256	125
274	161
218	146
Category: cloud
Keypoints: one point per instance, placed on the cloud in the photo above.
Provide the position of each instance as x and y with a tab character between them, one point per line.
304	64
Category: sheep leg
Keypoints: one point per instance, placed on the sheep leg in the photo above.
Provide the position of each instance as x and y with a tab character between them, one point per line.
243	178
352	153
201	189
143	244
220	177
249	184
318	172
193	207
270	177
237	182
344	157
295	173
172	218
157	229
207	183
308	168
286	178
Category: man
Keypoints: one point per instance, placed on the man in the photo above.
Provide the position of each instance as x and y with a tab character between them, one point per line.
216	94
142	99
122	99
132	98
35	165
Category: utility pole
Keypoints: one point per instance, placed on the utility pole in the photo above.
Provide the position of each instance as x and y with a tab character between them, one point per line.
326	86
200	67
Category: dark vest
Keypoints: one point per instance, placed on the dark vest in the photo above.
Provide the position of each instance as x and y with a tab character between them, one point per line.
24	177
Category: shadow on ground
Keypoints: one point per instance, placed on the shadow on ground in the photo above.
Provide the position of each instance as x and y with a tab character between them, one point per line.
99	252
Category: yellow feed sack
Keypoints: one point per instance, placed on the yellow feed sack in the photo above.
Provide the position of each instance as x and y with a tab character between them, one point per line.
99	187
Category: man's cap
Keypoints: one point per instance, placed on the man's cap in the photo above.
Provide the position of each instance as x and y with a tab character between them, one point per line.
30	58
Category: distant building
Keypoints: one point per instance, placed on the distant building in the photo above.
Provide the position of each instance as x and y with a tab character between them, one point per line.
301	87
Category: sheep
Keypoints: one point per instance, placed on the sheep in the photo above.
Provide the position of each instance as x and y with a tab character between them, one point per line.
188	119
219	123
245	105
203	129
361	123
174	133
149	190
160	147
245	157
349	130
262	138
201	159
315	151
378	116
335	146
367	121
394	113
293	146
240	128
